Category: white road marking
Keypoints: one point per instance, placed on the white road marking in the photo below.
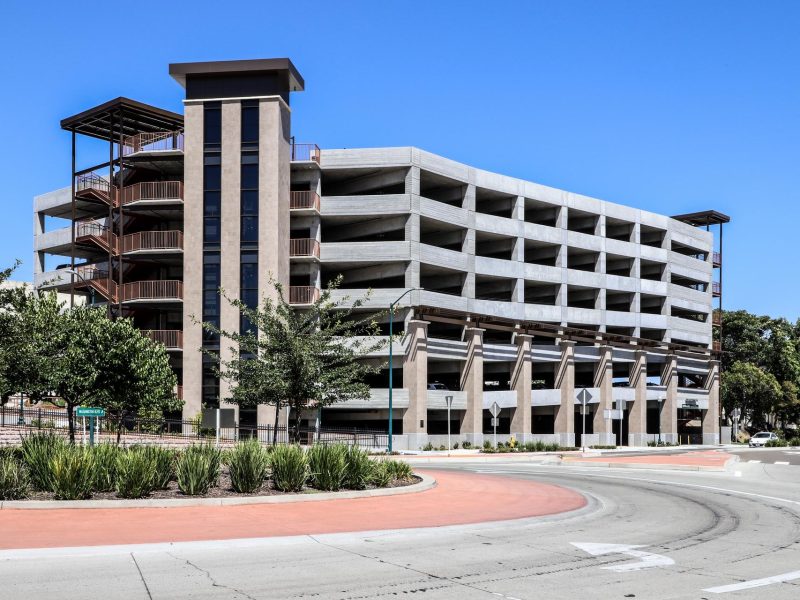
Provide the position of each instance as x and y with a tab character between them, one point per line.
753	583
737	473
647	560
780	462
754	461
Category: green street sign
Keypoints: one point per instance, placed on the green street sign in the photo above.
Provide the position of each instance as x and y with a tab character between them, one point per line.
85	411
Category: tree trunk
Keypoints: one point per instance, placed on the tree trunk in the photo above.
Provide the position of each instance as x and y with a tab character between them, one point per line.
277	420
119	428
297	416
71	421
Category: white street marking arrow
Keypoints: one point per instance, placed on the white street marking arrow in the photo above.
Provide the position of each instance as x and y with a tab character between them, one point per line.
647	560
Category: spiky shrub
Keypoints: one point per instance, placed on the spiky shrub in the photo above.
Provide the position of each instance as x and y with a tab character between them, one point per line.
38	449
398	470
135	473
381	476
248	465
198	469
358	467
328	466
13	478
72	469
105	459
289	465
163	460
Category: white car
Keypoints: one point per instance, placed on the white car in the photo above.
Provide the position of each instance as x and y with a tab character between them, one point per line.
761	438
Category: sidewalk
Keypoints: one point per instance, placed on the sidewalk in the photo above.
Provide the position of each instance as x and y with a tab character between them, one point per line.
457	499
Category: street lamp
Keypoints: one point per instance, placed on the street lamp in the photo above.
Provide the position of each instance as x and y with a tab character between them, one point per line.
391	365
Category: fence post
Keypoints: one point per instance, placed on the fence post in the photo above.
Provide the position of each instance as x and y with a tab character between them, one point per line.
39	417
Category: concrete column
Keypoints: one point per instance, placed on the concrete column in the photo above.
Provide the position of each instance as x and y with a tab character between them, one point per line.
711	416
521	383
192	259
415	380
603	379
472	384
565	381
412	183
38	257
669	407
637	410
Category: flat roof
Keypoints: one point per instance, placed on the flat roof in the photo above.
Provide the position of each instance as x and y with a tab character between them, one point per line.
704	217
179	71
122	116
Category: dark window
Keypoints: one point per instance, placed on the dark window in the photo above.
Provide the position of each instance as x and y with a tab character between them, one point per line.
212	125
248	285
249	123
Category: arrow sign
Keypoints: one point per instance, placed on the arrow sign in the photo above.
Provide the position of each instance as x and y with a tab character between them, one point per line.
495	409
584	396
647	560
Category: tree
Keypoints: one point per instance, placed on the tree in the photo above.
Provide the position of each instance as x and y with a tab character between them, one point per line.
750	389
303	359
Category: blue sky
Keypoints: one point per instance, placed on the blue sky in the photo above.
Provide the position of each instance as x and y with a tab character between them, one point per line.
668	106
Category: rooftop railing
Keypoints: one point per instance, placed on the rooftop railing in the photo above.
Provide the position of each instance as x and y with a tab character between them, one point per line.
152	190
305	153
304	247
152	240
304	201
157	141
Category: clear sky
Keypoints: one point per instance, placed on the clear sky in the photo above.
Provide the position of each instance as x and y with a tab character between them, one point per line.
670	106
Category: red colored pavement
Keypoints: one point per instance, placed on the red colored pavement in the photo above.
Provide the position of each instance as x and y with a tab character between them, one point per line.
458	498
706	458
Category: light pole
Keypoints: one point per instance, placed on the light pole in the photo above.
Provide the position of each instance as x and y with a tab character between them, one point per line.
391	365
660	408
86	281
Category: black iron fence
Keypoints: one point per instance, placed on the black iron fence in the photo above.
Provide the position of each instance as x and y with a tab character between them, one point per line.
132	429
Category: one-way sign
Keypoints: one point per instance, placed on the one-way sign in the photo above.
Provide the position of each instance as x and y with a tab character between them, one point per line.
584	396
494	409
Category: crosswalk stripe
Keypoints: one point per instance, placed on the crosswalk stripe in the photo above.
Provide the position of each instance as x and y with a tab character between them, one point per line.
780	462
754	461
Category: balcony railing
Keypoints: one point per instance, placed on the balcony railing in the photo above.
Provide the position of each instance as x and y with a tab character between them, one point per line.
716	288
152	290
716	259
304	201
179	392
152	190
158	141
171	338
716	346
92	185
303	294
716	319
305	152
153	240
97	233
304	247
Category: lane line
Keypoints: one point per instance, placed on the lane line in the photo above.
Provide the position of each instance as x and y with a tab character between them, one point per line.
753	462
781	462
754	583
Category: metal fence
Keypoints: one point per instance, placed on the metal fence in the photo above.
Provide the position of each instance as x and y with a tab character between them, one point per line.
136	429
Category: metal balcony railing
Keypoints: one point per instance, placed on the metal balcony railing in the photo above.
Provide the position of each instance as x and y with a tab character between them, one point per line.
179	392
152	240
716	259
152	190
158	141
304	247
716	319
305	152
171	338
90	275
303	294
716	288
92	185
716	346
167	289
304	201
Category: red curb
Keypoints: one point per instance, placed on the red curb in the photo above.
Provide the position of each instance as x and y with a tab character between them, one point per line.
458	498
706	458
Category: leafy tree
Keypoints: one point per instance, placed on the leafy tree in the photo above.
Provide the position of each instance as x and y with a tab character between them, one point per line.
303	359
750	389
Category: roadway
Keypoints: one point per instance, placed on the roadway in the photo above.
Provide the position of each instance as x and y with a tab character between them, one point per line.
772	456
645	534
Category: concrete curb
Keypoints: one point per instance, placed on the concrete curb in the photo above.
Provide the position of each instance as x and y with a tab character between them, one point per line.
646	466
426	483
536	458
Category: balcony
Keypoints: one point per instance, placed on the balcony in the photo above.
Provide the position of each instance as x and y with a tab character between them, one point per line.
153	192
93	187
92	232
171	338
716	259
304	201
716	346
153	242
158	141
305	153
168	290
303	295
304	248
716	319
96	279
716	289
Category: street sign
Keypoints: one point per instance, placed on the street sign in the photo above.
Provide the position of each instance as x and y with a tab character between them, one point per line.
584	396
495	421
613	414
85	411
494	409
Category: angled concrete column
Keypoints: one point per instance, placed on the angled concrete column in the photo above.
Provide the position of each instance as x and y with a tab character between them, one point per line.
711	416
565	381
521	383
472	384
669	407
637	410
603	379
415	380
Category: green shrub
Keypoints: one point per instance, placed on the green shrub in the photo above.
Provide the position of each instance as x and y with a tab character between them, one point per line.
795	441
381	475
136	473
72	472
105	460
328	466
163	460
398	470
12	452
198	469
466	445
248	464
455	446
603	447
289	468
358	468
428	447
13	478
487	446
779	443
37	451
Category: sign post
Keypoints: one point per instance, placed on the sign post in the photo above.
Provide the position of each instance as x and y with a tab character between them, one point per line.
92	413
449	400
583	397
495	411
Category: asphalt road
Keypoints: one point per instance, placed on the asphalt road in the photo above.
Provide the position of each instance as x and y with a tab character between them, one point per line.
676	535
769	455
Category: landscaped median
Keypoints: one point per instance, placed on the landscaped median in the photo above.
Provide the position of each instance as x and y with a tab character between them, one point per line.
45	468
